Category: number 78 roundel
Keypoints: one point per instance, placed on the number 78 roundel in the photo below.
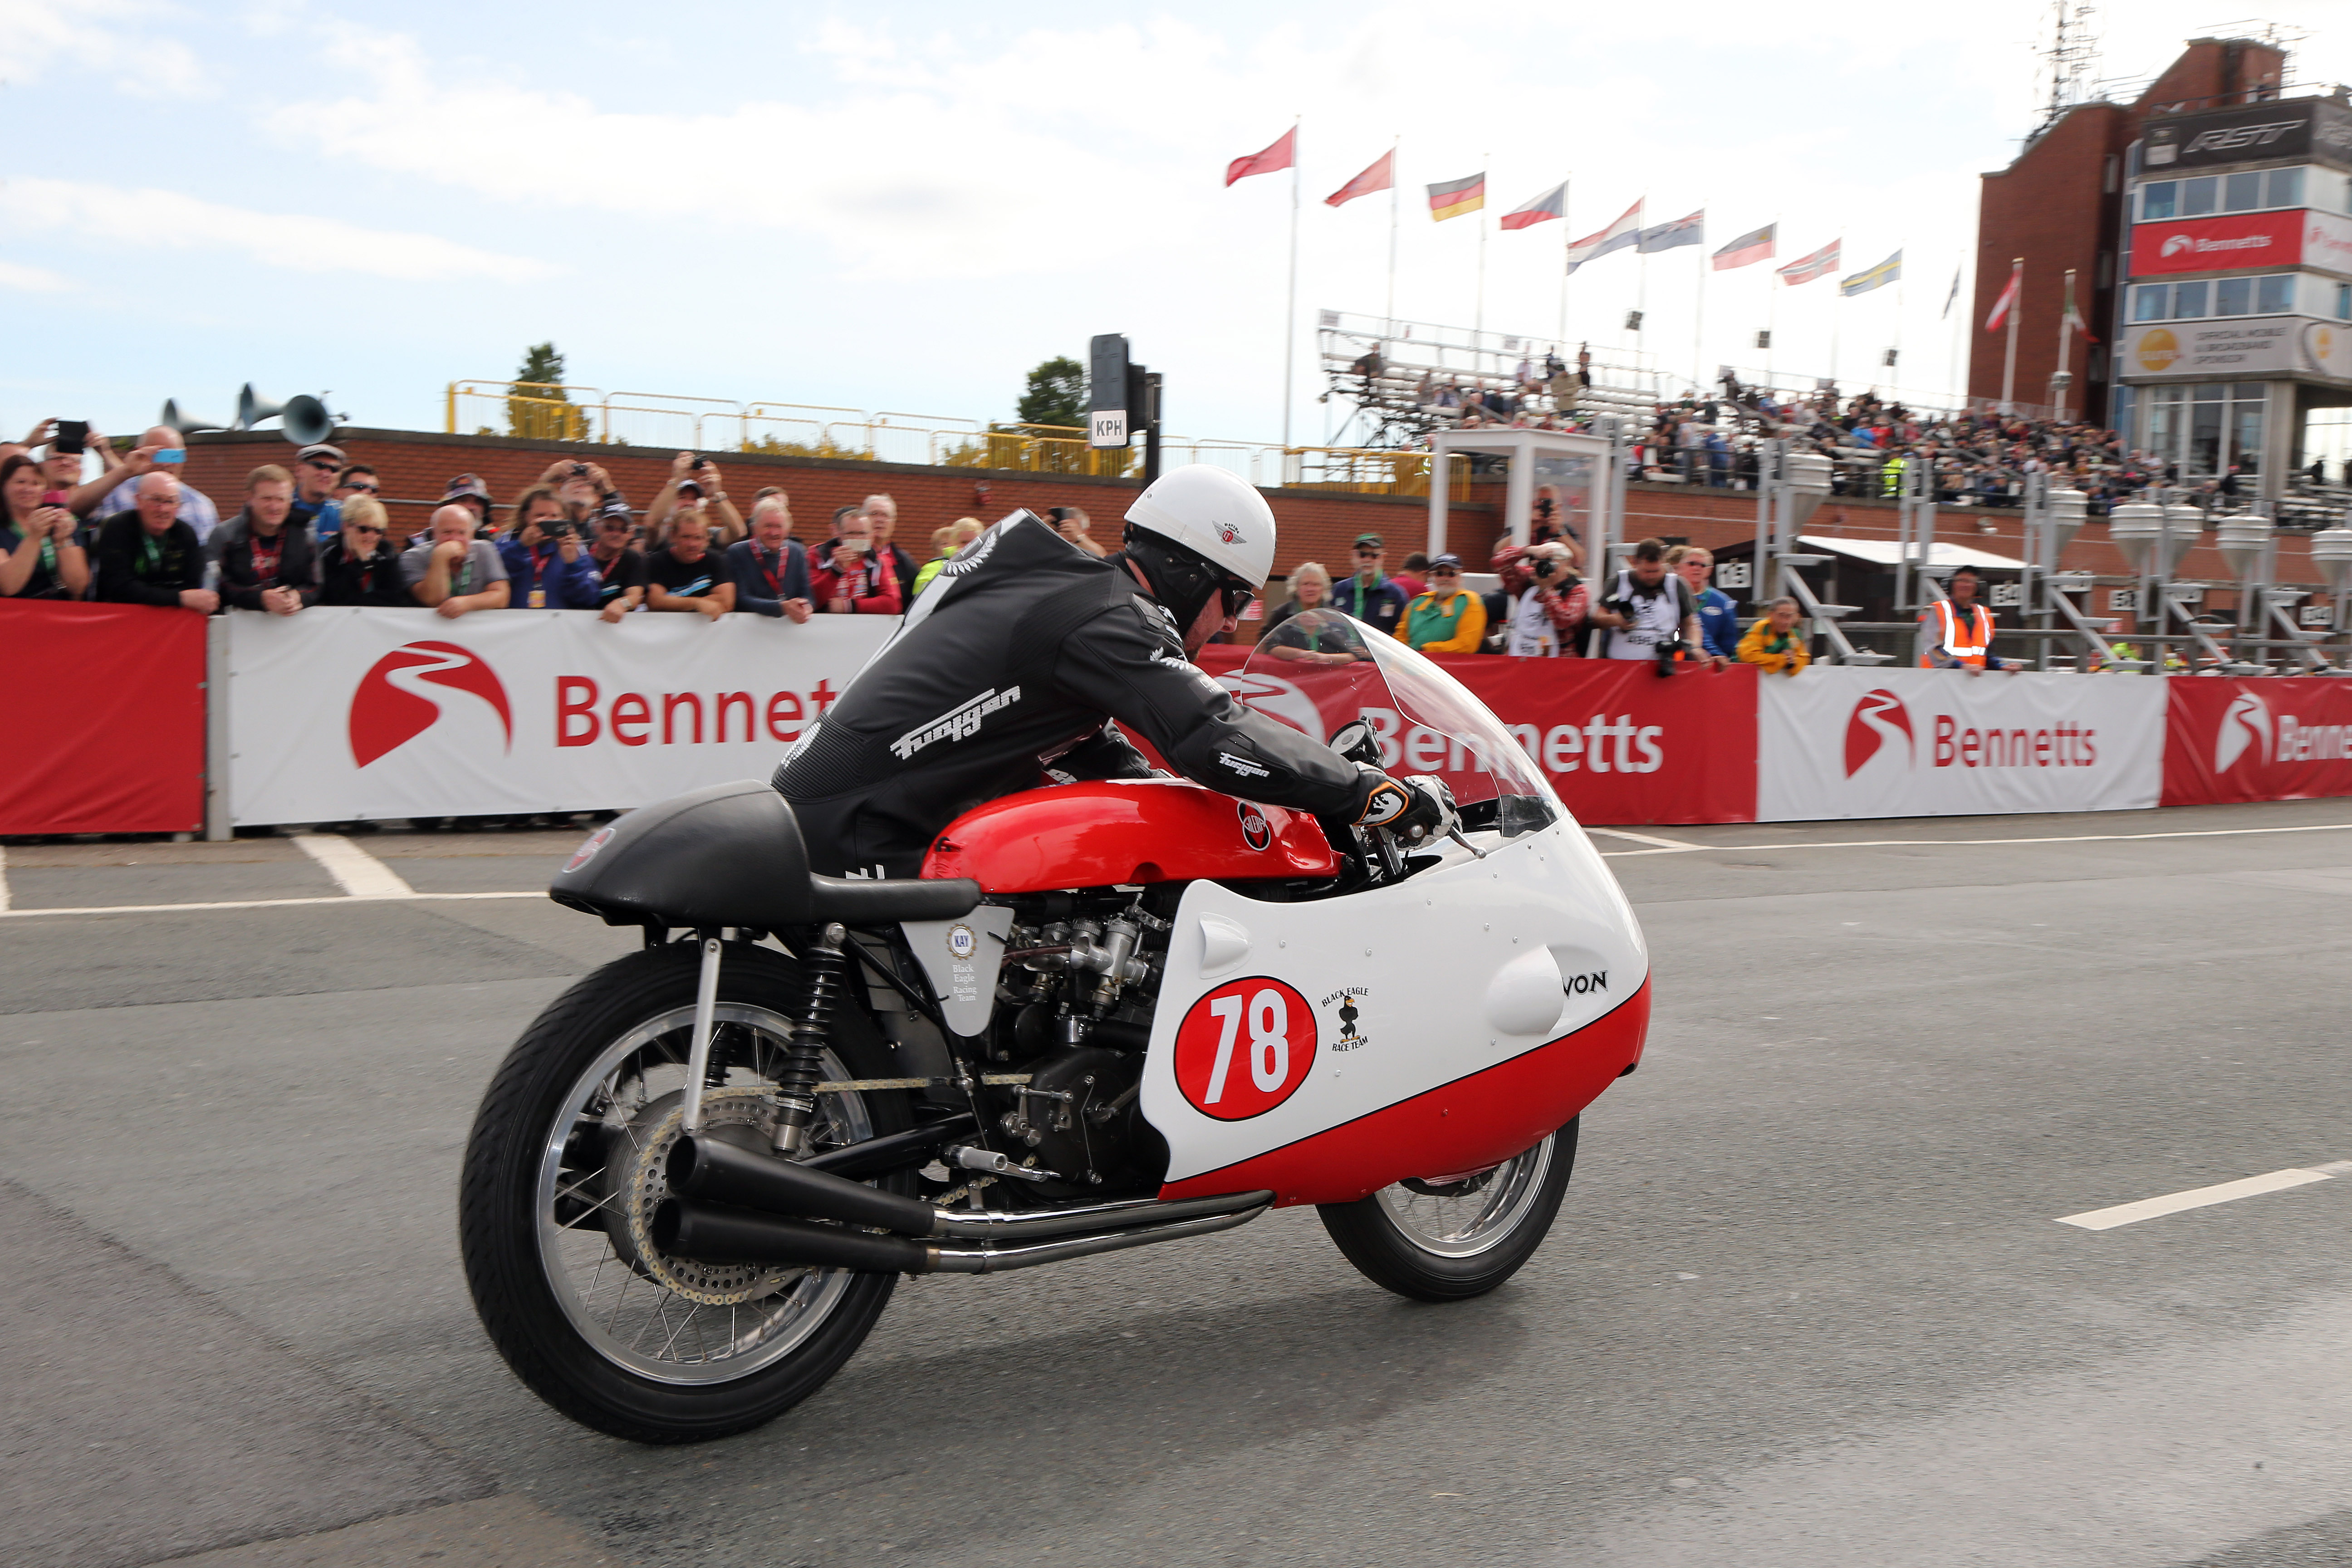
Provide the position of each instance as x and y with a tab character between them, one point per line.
1244	1048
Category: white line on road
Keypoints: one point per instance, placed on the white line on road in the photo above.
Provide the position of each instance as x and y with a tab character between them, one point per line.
344	899
2205	1198
1950	843
3	878
358	873
1645	839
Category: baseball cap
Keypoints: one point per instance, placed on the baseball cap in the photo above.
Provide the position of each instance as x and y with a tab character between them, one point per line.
1447	563
1372	540
467	486
686	485
320	449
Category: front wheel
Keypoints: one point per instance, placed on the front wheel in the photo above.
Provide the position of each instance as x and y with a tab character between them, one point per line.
566	1166
1449	1238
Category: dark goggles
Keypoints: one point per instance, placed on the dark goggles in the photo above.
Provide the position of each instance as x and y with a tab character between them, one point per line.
1236	596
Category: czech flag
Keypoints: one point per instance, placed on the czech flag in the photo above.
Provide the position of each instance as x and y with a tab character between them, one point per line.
1380	176
1455	197
1752	247
1552	203
1281	155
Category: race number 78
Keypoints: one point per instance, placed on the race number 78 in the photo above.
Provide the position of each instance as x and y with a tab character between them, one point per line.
1244	1048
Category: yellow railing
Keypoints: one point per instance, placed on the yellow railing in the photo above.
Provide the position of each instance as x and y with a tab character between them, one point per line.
551	413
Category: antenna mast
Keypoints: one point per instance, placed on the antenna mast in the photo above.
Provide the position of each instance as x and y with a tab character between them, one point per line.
2071	63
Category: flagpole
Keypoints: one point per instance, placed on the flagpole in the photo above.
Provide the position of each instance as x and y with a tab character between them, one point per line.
1393	190
1698	314
1567	243
2008	363
1290	311
1771	310
1478	323
1956	373
1898	365
2066	348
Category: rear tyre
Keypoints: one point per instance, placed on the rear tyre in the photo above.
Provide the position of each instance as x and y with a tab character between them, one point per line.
565	1166
1448	1240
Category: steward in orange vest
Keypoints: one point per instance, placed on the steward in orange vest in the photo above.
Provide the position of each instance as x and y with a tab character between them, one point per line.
1959	631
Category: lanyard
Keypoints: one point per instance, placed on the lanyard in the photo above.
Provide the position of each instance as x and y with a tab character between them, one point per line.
775	583
150	554
267	555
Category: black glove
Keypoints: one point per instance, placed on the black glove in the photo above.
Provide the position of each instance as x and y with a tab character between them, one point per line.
1415	808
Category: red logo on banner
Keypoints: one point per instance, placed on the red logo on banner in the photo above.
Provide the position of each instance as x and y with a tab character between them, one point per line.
390	709
2217	243
1877	718
1244	1048
2246	726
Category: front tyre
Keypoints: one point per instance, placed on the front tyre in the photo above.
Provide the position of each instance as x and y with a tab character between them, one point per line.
1450	1238
564	1170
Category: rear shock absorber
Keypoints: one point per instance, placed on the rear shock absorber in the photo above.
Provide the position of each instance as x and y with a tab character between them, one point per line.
803	1067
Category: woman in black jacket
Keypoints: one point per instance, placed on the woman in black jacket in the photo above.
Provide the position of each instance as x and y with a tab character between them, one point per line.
359	565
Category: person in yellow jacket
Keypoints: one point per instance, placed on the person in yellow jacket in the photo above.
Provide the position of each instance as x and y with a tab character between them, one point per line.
1448	617
1773	643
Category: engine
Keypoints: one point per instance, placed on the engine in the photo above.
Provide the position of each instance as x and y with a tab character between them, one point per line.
1074	1000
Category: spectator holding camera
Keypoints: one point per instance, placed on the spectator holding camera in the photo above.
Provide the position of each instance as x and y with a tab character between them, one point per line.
856	578
1773	643
152	556
620	567
687	575
770	569
161	450
694	482
1543	602
1070	522
265	562
1650	613
359	565
1446	617
1369	595
882	524
450	571
44	558
546	563
1718	623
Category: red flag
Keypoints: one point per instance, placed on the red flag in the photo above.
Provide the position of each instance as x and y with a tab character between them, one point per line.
1281	155
2000	307
1380	176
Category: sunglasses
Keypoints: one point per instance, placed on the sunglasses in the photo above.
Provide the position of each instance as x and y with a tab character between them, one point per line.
363	490
365	528
1236	598
1366	555
321	464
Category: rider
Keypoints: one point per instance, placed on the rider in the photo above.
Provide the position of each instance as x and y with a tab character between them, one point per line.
1028	654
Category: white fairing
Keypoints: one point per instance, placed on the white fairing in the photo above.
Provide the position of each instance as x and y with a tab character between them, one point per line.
1445	972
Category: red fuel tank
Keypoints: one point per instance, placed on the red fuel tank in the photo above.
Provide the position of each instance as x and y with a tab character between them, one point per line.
1102	834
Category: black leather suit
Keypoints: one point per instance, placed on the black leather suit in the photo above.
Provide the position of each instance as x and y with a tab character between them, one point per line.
1027	654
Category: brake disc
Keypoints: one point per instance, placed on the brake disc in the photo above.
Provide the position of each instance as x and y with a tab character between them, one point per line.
636	1172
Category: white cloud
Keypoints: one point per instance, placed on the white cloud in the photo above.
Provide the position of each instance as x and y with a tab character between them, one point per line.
167	219
109	36
33	279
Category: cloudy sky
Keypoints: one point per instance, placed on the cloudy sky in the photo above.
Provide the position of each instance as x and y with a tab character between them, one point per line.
903	207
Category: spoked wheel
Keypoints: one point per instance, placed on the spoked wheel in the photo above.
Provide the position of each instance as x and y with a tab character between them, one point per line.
1450	1237
566	1166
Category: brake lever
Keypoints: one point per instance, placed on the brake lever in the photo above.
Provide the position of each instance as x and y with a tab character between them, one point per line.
1455	833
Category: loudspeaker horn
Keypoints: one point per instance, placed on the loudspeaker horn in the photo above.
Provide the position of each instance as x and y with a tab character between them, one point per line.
184	422
305	419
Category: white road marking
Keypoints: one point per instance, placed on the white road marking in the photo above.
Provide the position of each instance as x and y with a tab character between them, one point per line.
2205	1198
3	878
1962	843
1645	839
341	899
360	874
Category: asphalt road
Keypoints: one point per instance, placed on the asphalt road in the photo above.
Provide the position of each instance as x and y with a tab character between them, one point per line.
1807	1302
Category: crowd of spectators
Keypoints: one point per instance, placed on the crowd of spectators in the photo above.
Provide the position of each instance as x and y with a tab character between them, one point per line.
318	534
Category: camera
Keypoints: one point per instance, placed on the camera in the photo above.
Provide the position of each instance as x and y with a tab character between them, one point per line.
579	470
1670	653
1546	568
702	462
72	438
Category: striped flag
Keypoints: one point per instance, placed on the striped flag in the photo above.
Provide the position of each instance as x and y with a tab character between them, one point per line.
1625	231
1955	294
2000	307
1691	230
1749	247
1380	176
2072	314
1552	203
1887	271
1455	197
1281	155
1819	264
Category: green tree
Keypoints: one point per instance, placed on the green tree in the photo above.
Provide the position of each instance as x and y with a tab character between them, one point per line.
1056	395
539	410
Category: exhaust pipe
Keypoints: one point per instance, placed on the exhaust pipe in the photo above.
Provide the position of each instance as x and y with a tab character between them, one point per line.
717	1172
713	1234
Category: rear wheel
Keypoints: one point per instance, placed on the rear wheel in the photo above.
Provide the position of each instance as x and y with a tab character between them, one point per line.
1448	1238
564	1170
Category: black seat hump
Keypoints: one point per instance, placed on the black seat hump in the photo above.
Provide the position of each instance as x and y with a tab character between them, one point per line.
732	855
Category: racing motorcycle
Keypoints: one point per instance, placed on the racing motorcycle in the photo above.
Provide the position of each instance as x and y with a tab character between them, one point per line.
1106	1015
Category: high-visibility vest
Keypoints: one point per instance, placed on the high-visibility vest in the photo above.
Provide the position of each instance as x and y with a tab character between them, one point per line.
1891	476
1963	638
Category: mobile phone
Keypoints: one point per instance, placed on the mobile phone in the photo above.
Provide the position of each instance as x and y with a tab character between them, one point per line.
1060	514
171	454
73	437
53	497
702	462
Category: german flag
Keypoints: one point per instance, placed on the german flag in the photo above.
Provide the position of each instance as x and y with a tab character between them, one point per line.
1455	197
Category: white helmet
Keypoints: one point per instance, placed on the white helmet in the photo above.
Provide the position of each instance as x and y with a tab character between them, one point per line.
1216	514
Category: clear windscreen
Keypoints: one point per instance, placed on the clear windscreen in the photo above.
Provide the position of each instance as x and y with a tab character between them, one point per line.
1321	668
